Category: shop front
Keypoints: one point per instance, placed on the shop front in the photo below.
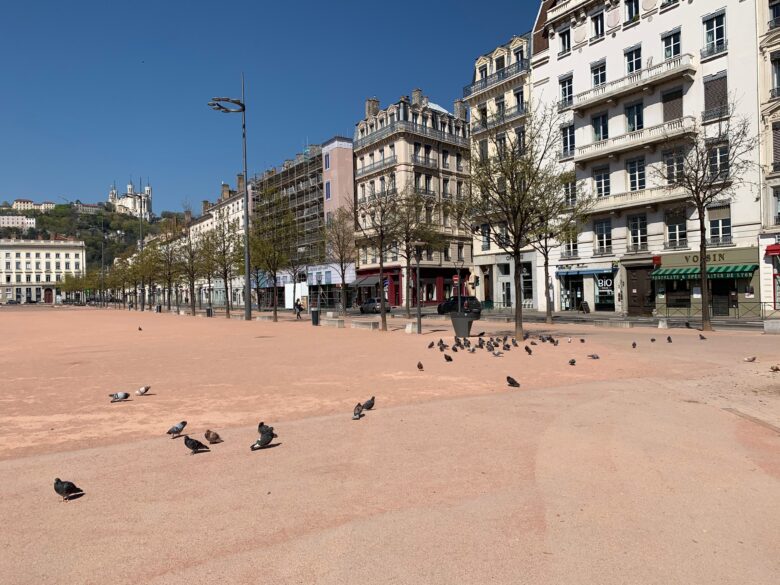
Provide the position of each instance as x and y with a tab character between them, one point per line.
368	286
594	286
732	280
773	255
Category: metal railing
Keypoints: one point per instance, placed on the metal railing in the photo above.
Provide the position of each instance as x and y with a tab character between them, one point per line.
774	93
381	164
570	254
774	23
714	48
630	140
499	118
497	77
425	192
636	248
404	126
720	241
602	250
565	103
680	244
759	310
425	161
567	153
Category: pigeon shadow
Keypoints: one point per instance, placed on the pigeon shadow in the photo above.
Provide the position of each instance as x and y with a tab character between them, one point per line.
199	451
76	496
149	394
271	446
118	401
178	437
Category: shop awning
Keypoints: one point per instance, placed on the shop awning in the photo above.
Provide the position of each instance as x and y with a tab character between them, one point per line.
366	281
728	271
773	250
578	271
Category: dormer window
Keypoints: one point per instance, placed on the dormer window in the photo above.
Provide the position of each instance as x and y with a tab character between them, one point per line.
483	72
499	63
518	54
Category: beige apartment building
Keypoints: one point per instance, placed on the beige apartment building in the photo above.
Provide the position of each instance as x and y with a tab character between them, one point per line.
31	270
414	144
497	98
768	19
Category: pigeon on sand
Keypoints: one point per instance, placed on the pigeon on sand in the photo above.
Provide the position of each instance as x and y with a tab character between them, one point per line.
176	430
142	390
263	428
263	441
701	337
357	412
572	362
420	366
512	382
194	445
431	344
447	358
750	359
369	404
212	437
66	489
119	396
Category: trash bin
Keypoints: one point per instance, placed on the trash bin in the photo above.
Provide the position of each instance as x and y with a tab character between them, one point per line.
461	323
315	316
209	312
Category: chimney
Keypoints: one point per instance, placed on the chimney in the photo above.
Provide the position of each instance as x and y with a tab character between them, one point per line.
459	109
204	206
225	193
372	107
240	182
425	101
417	97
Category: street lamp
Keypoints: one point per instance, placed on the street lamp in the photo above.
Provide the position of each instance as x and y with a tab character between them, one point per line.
234	106
319	291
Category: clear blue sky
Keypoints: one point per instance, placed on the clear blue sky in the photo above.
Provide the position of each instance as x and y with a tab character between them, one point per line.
101	91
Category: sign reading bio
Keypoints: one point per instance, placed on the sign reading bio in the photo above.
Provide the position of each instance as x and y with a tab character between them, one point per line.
605	283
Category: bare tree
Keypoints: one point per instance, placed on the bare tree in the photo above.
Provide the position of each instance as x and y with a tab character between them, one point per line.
271	239
188	264
168	256
207	266
228	250
340	247
378	220
511	174
707	165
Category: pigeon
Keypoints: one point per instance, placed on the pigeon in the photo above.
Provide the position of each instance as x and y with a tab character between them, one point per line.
142	390
497	354
447	358
572	362
750	359
212	437
139	328
66	489
668	339
119	396
368	404
534	343
420	366
358	412
555	343
687	325
455	348
472	350
701	337
652	340
568	340
489	346
593	356
263	441
774	369
194	445
526	336
514	342
582	340
431	344
512	382
263	429
633	345
528	350
176	430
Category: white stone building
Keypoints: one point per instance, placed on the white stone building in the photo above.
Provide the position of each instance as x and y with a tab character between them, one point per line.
632	77
30	205
31	270
21	222
137	204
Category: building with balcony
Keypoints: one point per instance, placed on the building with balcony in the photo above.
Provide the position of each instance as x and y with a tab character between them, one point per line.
32	270
30	205
414	144
633	80
137	204
768	19
497	99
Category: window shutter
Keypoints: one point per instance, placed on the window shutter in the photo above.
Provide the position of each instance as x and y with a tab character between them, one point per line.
775	142
715	93
716	213
673	105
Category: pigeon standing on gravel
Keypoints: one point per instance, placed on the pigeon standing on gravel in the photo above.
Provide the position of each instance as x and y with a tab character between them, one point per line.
572	362
176	430
142	390
652	340
431	344
357	412
194	445
593	356
633	345
528	350
66	489
750	359
420	366
119	396
263	429
512	382
369	404
212	437
139	328
774	369
263	441
668	339
447	358
701	337
582	340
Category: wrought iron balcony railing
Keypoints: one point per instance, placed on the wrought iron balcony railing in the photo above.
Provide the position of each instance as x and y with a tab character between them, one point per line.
404	126
377	166
715	48
678	244
425	161
637	248
498	118
720	241
602	250
515	68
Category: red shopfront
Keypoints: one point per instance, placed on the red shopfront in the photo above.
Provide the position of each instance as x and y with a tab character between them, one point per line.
773	253
368	285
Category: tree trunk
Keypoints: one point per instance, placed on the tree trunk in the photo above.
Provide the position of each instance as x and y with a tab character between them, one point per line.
227	294
168	303
518	304
382	301
407	290
192	297
547	296
343	291
276	296
208	284
706	323
143	295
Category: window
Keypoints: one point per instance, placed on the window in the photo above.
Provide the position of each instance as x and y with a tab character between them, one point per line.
720	225
673	105
719	161
78	265
48	266
601	181
570	247
632	11
636	174
676	231
500	109
714	34
568	140
600	125
27	266
597	26
519	100
637	228
446	187
602	228
460	251
483	72
483	149
459	161
520	139
715	97
567	90
598	73
28	277
327	190
501	144
67	265
673	159
56	265
445	159
485	230
565	40
633	60
37	278
570	193
671	45
635	118
18	265
447	254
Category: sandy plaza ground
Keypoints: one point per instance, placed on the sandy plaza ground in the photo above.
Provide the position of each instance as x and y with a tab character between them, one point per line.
655	465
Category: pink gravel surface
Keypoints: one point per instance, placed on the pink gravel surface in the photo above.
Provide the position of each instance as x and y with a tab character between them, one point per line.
659	465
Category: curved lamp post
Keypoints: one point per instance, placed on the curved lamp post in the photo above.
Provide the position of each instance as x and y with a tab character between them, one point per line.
228	105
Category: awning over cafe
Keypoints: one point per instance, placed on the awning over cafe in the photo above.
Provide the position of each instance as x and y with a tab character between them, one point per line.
727	271
773	250
579	271
366	281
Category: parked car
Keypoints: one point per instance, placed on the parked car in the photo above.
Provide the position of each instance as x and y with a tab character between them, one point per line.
12	302
468	304
374	305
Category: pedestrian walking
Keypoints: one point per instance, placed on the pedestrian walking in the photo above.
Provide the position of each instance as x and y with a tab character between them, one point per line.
298	308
